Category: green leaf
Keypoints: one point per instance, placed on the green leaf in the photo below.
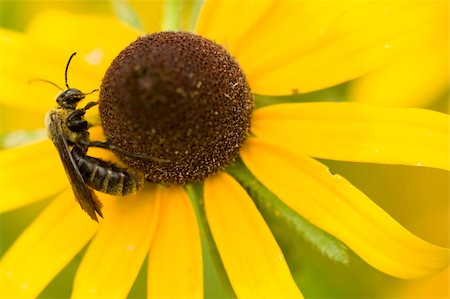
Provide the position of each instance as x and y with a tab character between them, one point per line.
19	137
273	208
181	14
172	15
195	192
192	9
126	13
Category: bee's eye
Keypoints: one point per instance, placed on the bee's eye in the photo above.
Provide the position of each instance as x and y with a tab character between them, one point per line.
74	93
70	96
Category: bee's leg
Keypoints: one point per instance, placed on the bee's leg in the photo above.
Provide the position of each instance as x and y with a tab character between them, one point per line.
76	122
93	124
88	106
82	143
107	145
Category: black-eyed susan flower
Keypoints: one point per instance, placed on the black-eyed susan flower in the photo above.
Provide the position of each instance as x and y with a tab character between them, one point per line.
187	99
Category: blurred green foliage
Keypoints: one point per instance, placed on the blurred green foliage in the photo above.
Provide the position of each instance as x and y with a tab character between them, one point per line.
16	14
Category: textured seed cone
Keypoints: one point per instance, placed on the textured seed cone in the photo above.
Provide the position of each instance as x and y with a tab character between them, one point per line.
180	99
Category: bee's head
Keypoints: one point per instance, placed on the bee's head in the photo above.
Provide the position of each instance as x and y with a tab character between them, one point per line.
69	98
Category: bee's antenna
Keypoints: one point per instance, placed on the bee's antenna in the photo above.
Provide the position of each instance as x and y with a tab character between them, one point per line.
43	80
67	67
90	92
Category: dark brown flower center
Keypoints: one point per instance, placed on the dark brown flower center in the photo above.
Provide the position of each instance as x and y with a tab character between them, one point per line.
179	98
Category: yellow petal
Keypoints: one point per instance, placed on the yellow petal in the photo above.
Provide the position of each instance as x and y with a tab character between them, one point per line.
115	256
45	248
414	80
353	132
214	20
14	119
150	13
435	286
334	205
30	173
43	53
24	58
309	45
419	75
97	39
175	267
252	259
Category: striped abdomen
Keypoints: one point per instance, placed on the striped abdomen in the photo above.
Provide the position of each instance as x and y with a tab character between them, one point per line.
105	176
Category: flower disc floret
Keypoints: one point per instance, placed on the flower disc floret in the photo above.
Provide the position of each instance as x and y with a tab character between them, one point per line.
179	98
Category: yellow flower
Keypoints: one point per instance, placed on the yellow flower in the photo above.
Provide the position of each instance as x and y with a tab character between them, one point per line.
279	56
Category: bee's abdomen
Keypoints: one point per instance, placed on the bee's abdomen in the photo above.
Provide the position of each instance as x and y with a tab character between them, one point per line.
105	176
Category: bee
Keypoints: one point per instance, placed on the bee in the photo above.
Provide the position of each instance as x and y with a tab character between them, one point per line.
69	131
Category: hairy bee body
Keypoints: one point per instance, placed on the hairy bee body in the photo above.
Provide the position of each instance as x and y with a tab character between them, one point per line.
68	129
105	176
73	137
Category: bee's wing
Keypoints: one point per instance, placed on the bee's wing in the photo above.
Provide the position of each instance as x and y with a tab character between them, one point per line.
85	196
